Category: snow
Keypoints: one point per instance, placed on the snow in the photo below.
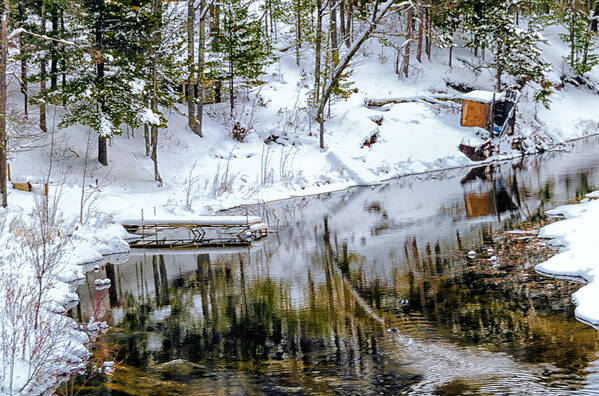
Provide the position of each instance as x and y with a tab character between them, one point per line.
148	116
61	336
137	86
483	96
105	127
577	259
201	220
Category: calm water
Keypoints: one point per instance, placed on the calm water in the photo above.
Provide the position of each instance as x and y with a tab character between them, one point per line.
362	292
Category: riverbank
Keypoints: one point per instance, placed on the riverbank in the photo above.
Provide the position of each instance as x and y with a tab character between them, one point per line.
574	236
44	256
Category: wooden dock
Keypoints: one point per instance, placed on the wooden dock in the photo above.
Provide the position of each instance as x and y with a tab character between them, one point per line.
195	232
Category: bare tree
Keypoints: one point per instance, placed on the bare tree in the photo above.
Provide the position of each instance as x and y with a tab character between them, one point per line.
3	107
87	195
44	240
43	126
344	62
44	350
317	53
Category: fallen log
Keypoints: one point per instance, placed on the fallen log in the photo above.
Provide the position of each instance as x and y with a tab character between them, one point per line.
432	99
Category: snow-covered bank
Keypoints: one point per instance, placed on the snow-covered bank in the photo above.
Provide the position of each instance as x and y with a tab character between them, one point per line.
576	236
42	257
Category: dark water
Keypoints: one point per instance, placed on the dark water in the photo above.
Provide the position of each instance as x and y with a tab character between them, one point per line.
362	292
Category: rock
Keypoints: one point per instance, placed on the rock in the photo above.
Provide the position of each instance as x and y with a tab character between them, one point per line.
178	367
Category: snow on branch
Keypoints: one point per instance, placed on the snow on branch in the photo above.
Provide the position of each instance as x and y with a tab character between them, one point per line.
344	62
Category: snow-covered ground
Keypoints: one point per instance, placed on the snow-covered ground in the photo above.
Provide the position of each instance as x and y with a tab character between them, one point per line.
41	259
576	236
203	175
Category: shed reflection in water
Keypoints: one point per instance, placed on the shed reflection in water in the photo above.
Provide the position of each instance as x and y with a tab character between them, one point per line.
367	291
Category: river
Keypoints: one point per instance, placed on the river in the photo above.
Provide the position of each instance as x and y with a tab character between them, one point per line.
361	292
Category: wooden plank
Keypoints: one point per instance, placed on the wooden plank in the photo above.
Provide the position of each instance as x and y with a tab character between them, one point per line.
474	114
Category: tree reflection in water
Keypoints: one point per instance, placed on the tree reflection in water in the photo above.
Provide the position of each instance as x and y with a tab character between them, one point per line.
383	300
217	327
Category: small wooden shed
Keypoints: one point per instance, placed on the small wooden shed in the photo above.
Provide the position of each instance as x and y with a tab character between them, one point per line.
477	108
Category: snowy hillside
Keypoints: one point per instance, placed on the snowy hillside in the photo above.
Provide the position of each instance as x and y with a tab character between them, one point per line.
205	174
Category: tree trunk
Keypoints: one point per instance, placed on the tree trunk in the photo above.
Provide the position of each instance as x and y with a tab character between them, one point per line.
189	91
63	61
54	52
154	137
148	144
429	33
318	51
155	154
231	81
348	28
3	135
420	35
266	19
342	27
201	65
406	58
43	125
23	82
498	76
333	30
102	149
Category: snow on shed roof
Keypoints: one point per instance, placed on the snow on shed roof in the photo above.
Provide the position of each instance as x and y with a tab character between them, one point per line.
482	96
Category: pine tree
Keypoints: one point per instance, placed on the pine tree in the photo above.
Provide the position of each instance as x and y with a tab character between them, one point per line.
515	49
242	47
107	87
578	19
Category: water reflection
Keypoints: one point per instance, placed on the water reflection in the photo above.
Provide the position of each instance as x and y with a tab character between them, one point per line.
367	291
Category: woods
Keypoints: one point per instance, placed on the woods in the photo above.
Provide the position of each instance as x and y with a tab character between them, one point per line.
125	64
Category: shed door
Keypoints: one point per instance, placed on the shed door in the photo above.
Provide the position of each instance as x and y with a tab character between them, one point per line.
474	114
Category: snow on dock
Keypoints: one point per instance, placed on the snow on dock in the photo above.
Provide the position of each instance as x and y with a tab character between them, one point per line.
197	220
194	232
